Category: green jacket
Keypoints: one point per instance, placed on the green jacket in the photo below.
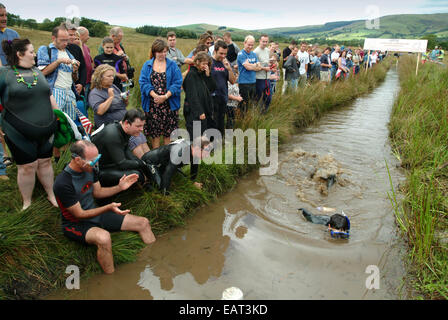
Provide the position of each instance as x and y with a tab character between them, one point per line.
64	134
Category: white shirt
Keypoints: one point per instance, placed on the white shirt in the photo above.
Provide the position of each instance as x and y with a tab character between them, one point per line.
64	79
263	58
335	56
304	59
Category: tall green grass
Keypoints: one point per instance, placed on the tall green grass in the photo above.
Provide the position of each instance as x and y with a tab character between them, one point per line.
419	131
33	252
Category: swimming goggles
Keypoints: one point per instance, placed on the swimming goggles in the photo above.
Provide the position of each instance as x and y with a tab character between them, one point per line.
91	163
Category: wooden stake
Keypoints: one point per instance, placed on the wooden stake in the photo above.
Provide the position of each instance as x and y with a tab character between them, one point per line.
418	60
368	61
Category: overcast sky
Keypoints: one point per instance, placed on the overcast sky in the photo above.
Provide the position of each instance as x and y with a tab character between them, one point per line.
247	14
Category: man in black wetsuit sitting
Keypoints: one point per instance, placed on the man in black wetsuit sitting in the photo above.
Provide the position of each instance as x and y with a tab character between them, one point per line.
170	158
117	159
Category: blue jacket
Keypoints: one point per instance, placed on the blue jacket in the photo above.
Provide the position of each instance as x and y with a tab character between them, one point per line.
173	83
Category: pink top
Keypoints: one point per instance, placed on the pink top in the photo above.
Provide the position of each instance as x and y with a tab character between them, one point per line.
89	62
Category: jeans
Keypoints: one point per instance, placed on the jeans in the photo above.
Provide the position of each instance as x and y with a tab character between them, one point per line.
292	84
247	92
263	92
219	113
2	165
302	80
334	69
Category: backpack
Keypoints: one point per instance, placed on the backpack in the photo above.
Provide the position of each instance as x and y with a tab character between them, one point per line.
49	54
231	53
78	97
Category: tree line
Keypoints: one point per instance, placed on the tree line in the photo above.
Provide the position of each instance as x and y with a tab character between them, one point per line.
97	28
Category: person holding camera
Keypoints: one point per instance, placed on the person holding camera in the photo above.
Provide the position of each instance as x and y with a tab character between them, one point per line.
106	99
116	33
110	58
109	103
60	69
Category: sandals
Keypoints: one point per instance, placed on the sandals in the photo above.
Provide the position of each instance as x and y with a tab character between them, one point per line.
7	161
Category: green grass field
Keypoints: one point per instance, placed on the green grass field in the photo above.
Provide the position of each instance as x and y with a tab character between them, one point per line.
419	131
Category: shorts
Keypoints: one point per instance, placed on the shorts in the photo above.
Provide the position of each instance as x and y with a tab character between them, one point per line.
134	142
325	76
43	150
109	221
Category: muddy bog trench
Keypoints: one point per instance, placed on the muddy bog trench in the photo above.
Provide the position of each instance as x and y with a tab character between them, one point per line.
254	237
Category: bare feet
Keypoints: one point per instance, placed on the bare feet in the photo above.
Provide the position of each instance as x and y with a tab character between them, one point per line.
26	205
198	185
53	201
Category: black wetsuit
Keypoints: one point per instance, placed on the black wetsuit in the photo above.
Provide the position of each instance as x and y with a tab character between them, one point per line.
112	142
28	119
169	158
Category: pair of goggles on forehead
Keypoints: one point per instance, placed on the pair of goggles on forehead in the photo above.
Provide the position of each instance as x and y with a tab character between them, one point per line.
90	163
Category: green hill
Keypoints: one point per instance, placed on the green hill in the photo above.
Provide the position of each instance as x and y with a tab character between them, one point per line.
237	34
393	26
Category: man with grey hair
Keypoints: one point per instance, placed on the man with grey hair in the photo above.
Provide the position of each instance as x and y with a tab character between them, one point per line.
248	65
116	33
5	33
84	37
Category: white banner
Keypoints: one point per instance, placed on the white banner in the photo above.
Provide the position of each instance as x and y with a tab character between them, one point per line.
400	45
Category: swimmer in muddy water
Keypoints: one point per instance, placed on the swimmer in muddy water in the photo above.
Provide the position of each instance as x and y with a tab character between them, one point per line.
338	224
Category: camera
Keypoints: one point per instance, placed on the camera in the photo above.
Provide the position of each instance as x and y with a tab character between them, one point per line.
124	95
128	84
130	72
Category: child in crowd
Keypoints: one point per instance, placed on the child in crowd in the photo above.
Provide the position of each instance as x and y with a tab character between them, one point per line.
315	70
234	100
274	74
291	66
110	58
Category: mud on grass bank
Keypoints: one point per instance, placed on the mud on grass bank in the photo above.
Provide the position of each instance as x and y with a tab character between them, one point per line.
34	254
419	131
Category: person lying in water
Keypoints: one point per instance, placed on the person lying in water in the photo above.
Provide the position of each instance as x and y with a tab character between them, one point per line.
338	224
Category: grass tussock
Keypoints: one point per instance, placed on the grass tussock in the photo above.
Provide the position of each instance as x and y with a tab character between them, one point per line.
419	130
33	252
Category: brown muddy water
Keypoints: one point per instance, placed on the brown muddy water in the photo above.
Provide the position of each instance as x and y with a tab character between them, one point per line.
255	239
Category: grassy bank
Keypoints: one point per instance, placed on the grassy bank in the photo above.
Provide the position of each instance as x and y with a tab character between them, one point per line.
419	131
33	252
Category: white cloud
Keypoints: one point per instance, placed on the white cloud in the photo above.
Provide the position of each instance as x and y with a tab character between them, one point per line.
249	14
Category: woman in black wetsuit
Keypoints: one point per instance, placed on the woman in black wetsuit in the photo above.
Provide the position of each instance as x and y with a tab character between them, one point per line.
28	120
